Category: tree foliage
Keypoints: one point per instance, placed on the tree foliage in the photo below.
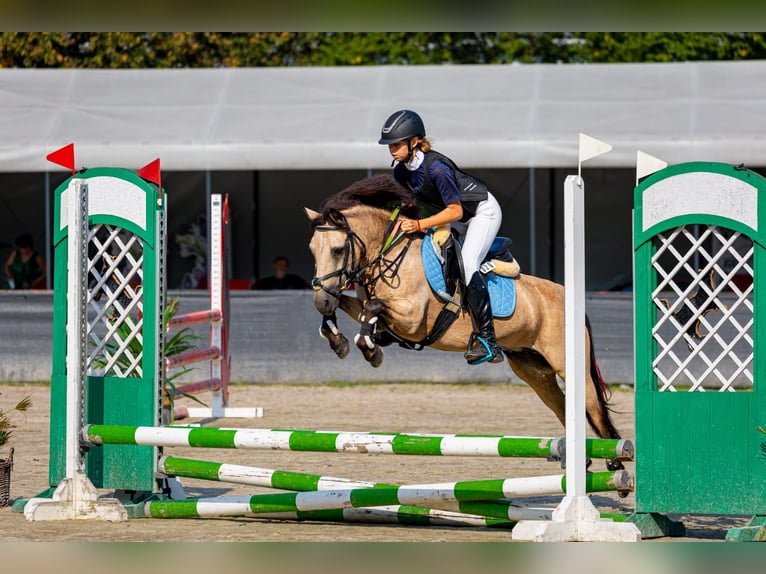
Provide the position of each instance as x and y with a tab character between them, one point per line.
258	49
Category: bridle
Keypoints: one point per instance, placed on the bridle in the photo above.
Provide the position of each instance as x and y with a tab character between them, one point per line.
347	272
352	270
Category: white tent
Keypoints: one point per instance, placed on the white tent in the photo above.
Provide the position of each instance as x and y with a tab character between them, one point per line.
329	118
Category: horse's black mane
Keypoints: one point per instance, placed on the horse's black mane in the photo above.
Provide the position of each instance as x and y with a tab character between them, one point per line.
381	191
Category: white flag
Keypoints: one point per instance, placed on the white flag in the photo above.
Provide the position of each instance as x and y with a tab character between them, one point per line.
591	147
647	164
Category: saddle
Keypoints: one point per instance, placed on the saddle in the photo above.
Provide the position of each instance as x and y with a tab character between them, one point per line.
443	267
442	263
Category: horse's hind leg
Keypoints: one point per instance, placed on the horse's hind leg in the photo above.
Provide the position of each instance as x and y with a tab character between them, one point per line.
596	407
538	373
534	370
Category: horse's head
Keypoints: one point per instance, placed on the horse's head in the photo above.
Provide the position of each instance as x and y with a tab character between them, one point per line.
337	252
340	251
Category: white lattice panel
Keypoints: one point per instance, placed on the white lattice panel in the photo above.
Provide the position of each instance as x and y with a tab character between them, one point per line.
115	319
704	327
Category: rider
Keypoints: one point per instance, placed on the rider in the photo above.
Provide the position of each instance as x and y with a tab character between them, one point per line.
456	198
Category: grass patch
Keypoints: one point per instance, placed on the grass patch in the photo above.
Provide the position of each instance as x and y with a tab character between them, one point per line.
25	383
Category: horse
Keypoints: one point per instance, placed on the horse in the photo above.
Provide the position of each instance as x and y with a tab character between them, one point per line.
394	301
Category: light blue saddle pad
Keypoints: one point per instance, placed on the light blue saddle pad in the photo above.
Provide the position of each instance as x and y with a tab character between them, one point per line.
502	290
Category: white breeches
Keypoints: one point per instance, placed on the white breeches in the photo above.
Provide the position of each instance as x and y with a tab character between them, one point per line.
479	232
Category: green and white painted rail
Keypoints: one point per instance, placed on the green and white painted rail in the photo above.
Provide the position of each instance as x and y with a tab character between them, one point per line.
502	509
479	497
359	442
401	514
303	482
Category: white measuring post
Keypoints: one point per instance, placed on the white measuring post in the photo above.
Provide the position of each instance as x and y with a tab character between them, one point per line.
219	337
76	497
575	518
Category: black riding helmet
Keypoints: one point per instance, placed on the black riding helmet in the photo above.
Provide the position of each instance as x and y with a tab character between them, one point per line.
401	125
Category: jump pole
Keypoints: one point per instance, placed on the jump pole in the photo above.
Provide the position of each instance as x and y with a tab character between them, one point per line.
446	496
303	482
575	518
396	514
352	442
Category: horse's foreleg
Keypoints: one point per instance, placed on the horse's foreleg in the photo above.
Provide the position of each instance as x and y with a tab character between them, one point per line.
329	330
338	341
365	339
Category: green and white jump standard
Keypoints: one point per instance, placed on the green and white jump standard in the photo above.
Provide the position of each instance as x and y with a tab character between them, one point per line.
107	357
700	325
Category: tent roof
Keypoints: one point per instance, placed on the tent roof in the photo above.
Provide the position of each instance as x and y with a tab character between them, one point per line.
330	118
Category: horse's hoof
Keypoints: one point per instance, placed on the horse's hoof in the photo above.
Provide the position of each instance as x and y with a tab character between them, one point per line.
372	356
340	346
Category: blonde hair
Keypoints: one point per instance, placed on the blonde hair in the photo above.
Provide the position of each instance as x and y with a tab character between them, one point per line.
424	145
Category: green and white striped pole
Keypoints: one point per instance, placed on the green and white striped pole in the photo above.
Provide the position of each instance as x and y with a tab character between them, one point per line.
451	496
286	480
405	515
359	442
304	482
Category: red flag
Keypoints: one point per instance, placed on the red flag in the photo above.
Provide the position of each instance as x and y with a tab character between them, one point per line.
151	172
63	157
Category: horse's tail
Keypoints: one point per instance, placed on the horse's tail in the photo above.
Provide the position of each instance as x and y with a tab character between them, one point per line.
602	391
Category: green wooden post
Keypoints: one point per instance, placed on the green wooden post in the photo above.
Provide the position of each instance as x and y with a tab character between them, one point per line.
700	397
126	213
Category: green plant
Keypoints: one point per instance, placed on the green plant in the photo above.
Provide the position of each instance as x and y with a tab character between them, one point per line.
5	419
180	341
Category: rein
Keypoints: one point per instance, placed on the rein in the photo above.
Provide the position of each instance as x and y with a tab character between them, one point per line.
350	270
387	270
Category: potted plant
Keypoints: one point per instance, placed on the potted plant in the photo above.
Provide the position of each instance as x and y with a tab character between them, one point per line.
6	464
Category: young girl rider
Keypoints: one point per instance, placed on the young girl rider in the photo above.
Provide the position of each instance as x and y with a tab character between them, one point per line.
453	197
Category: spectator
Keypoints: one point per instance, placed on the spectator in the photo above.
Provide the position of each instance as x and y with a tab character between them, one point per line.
281	278
25	268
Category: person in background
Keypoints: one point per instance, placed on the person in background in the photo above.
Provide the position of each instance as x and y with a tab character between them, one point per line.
25	268
281	278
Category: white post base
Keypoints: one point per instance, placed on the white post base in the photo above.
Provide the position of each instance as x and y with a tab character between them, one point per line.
226	412
75	499
575	519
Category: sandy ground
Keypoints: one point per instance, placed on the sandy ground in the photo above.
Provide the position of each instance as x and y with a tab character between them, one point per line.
438	408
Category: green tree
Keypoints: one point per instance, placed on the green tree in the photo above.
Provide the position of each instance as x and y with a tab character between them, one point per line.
258	49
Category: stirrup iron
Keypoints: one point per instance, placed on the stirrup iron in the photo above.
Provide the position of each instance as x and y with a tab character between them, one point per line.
489	355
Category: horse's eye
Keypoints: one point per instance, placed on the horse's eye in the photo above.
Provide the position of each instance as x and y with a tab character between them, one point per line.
337	251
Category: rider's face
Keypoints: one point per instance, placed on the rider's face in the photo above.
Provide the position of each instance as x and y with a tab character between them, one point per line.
399	149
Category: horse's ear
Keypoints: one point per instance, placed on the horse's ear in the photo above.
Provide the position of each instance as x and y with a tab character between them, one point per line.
311	214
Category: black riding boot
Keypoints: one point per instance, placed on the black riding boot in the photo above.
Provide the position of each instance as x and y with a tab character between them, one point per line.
482	346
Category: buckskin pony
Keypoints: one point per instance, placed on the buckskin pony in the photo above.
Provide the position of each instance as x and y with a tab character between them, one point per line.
395	303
